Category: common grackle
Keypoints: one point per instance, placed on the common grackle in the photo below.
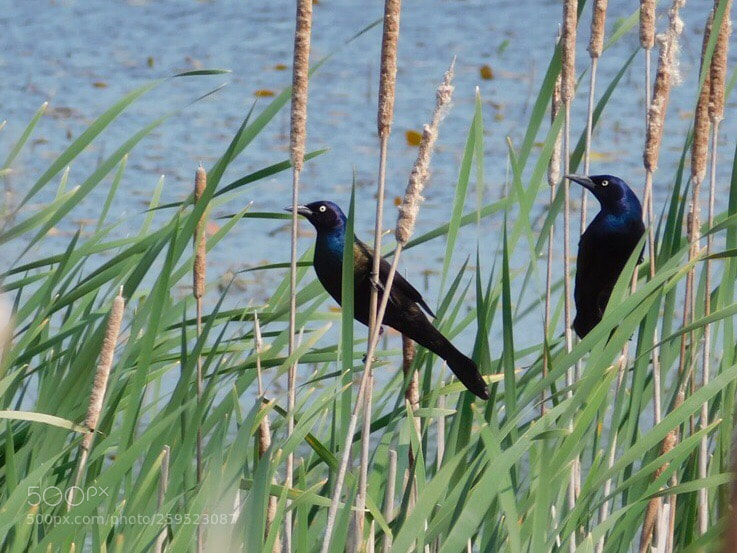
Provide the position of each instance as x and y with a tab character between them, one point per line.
404	310
605	246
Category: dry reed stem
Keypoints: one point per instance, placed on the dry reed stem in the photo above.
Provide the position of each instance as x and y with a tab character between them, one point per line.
604	509
297	139
388	72
598	24
405	224
391	482
363	467
163	485
421	170
264	428
647	24
718	68
99	386
553	179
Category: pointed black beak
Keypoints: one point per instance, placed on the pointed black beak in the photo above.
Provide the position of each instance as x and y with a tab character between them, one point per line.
301	210
583	180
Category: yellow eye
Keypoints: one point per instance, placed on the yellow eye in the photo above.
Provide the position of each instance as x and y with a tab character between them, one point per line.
323	209
605	183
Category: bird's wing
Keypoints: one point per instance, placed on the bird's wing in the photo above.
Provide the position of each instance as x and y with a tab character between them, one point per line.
400	285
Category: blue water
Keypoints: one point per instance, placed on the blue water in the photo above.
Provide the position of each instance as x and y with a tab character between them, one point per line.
81	56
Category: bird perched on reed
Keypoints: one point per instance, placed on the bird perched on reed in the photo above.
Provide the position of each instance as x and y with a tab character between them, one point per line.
605	246
404	312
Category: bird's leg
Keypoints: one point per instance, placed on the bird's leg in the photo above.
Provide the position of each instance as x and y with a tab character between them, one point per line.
381	332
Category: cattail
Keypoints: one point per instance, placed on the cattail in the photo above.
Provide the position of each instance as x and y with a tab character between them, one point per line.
297	139
554	164
103	368
647	24
719	65
200	256
300	77
700	146
388	76
598	21
666	76
568	40
99	385
421	170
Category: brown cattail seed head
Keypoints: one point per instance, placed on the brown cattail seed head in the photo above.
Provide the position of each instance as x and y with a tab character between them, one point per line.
700	146
300	77
388	76
200	256
666	75
598	24
568	40
647	24
719	65
104	365
421	171
554	164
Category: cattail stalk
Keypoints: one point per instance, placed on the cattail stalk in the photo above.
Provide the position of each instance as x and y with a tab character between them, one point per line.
553	180
568	89
198	290
163	485
297	140
596	45
385	116
699	154
655	120
405	225
717	75
99	386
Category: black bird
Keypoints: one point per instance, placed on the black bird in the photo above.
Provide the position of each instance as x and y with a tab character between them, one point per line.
404	310
605	246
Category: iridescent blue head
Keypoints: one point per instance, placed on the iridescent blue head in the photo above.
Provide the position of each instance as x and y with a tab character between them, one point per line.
614	195
325	216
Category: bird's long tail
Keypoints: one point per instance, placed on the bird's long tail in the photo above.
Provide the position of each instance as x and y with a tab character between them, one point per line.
464	368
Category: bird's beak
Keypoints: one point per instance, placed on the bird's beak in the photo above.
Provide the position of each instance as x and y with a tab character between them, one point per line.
301	210
583	180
